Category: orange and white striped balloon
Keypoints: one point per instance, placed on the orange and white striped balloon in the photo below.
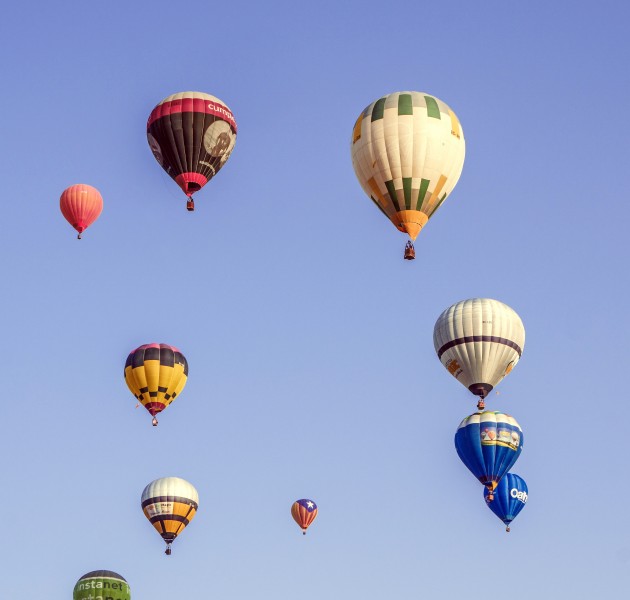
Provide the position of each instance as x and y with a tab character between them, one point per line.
170	503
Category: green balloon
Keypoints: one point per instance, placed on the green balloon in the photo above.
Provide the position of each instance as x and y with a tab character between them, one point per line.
101	585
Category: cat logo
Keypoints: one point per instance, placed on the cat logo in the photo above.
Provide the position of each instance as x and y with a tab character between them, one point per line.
522	496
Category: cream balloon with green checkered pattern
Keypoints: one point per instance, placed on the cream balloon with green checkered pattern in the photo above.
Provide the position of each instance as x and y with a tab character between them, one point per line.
408	152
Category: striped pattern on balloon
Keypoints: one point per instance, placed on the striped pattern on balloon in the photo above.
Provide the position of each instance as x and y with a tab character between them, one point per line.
191	135
479	341
170	504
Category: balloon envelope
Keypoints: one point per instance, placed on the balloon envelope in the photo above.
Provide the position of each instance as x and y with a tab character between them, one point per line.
191	135
103	584
170	503
479	341
81	205
156	374
408	152
510	497
489	443
304	512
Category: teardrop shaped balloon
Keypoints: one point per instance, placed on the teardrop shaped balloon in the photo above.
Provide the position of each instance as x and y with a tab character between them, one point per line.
489	443
81	205
191	135
304	512
479	341
101	584
408	152
156	374
170	503
510	497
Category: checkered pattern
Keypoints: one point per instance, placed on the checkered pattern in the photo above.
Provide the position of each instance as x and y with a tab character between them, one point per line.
156	374
408	152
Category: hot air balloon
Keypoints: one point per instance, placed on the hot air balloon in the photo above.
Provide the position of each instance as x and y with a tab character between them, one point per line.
81	205
479	341
101	584
191	135
510	497
156	374
408	152
489	443
304	512
170	504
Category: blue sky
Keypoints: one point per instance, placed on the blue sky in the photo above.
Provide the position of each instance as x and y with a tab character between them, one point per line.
309	339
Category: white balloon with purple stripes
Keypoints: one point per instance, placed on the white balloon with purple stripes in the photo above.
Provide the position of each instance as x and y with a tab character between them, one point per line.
479	341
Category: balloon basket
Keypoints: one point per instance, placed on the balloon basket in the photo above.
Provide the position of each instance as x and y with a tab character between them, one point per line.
410	251
154	422
190	205
481	405
167	551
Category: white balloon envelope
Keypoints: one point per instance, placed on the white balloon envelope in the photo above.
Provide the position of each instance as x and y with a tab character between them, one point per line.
408	152
479	341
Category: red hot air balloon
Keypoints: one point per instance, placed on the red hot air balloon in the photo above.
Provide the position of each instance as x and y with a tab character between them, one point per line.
191	135
304	512
81	205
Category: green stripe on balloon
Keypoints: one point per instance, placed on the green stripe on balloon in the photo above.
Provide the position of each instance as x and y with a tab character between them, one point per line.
433	110
438	204
405	105
424	186
379	109
392	194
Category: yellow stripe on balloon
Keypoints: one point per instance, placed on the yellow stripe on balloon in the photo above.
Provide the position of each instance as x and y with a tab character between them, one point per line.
455	126
435	195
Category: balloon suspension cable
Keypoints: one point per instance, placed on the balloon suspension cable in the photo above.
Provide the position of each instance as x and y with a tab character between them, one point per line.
154	422
190	203
410	251
168	550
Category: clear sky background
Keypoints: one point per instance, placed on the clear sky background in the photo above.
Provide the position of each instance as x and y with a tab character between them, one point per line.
309	339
